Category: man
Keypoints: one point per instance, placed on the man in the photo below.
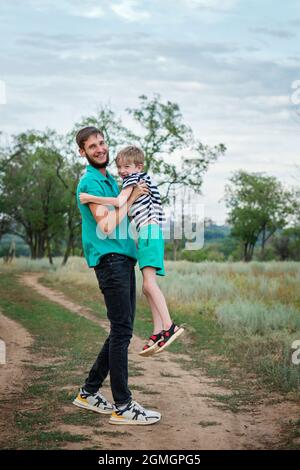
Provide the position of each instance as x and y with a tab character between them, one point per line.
109	249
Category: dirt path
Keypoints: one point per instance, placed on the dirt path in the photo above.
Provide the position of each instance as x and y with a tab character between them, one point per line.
12	373
190	421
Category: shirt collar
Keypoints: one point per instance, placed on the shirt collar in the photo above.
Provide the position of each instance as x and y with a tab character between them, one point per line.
100	176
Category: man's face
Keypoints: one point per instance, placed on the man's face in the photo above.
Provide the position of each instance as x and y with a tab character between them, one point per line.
96	151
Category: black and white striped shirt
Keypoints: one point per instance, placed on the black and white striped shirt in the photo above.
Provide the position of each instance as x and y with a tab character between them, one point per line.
148	206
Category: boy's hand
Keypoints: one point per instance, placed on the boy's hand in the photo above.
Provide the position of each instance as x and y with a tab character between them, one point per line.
139	190
84	198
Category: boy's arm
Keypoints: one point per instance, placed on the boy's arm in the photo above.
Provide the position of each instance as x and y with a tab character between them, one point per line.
119	201
108	220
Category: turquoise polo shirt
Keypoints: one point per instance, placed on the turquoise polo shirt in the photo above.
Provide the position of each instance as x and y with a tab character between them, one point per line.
95	242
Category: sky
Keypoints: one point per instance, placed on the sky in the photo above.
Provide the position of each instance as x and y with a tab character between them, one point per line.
231	65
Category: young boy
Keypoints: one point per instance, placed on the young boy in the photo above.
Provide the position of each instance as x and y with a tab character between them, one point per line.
148	216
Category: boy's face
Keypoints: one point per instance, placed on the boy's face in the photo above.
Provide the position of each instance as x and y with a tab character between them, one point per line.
126	168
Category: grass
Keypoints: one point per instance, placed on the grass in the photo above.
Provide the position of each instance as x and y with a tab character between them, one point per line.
240	400
55	437
81	417
292	435
206	424
257	318
144	390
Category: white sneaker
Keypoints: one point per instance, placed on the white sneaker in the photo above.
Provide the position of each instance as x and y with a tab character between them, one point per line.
94	402
134	413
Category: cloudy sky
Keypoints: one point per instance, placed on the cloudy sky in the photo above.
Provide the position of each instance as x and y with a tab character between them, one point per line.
229	64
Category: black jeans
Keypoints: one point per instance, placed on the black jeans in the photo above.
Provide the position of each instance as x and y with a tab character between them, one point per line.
116	278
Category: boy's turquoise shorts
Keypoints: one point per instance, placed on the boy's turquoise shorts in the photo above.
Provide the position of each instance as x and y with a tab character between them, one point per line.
151	248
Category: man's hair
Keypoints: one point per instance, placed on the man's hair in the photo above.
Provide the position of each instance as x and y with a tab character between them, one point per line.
83	135
131	154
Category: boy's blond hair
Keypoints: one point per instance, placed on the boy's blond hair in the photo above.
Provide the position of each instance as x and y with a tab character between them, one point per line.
131	154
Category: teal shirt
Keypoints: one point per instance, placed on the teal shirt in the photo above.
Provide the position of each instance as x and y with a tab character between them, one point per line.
95	242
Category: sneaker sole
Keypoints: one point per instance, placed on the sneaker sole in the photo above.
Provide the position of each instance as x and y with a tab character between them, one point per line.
129	422
170	341
91	408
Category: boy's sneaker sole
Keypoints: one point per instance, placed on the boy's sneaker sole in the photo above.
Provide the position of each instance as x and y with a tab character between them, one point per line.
122	421
170	341
86	406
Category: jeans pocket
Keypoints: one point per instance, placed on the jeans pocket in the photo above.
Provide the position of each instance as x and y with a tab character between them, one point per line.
114	273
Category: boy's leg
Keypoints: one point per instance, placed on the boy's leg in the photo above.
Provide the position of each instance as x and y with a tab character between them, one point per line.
116	280
171	331
155	296
157	321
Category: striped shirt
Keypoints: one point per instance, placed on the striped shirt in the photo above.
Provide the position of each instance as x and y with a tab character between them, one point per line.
148	206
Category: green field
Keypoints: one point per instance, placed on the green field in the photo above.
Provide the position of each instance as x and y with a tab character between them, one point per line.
241	320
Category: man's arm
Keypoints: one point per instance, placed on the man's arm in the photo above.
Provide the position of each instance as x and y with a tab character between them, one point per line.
108	220
119	201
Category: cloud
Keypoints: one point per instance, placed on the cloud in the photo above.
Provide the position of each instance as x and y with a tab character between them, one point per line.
84	9
279	33
2	92
128	10
295	22
213	5
90	9
223	68
92	12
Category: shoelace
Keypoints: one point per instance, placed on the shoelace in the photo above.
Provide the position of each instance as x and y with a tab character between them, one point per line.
85	394
105	402
139	407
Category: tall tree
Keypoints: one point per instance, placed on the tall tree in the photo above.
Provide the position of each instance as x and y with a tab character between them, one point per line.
164	137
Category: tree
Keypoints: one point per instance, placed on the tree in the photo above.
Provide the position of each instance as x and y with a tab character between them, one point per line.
5	224
69	170
259	205
32	195
287	244
163	133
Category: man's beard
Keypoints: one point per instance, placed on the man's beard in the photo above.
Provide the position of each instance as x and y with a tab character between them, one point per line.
98	165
